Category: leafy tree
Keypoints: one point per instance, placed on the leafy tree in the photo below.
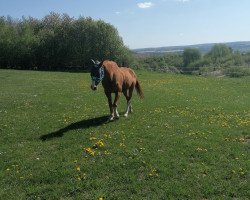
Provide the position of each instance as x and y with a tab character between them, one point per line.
220	55
246	59
59	42
190	56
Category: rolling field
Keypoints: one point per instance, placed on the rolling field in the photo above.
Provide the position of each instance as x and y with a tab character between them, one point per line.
188	139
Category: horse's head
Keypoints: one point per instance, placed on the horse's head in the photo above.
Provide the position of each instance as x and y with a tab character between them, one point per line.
97	74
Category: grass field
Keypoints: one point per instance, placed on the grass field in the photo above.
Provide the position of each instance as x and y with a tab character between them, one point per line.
188	139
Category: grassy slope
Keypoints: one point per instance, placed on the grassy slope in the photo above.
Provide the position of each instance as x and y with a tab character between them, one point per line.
188	139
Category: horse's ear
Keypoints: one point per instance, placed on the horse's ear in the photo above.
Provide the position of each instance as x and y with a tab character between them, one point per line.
93	61
100	63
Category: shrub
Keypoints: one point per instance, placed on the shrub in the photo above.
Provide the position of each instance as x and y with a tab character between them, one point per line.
237	71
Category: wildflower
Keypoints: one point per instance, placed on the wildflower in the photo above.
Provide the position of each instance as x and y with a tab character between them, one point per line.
242	173
78	168
99	143
107	135
200	149
241	139
122	145
93	138
107	152
153	172
101	198
89	151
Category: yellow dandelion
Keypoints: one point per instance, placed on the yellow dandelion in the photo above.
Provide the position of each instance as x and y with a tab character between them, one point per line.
100	143
107	152
78	168
89	151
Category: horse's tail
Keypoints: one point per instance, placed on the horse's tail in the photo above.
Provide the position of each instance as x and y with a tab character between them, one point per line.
139	89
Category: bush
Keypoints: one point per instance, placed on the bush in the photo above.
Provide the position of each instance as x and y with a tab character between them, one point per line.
237	71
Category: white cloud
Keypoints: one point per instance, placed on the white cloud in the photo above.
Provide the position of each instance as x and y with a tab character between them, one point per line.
117	12
145	5
183	1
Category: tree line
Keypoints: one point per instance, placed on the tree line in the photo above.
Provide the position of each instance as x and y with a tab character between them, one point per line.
220	59
61	42
58	42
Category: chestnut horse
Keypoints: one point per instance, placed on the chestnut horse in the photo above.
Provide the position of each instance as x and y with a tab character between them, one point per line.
115	80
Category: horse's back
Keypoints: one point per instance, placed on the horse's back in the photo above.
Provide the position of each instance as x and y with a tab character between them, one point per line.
128	72
121	78
129	77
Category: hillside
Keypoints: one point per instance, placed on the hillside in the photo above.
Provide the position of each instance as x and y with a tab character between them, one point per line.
243	46
188	139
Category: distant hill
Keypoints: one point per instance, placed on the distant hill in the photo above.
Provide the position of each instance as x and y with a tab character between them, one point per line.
204	48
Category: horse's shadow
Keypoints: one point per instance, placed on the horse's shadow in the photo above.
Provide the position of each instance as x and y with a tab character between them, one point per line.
83	124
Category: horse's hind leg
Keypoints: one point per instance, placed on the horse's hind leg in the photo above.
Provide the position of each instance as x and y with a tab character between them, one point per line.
128	95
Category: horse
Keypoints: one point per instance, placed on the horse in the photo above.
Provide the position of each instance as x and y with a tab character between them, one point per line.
115	80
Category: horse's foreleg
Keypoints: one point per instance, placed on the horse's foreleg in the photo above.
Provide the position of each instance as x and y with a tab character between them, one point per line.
117	96
108	94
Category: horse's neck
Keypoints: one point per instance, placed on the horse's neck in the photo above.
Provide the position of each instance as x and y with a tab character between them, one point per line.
112	70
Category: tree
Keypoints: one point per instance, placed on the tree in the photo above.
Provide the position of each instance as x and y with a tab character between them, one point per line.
57	42
190	56
220	55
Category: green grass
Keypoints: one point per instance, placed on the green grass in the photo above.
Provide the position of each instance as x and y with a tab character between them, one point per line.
188	139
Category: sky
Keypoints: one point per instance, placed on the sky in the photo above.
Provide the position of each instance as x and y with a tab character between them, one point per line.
151	23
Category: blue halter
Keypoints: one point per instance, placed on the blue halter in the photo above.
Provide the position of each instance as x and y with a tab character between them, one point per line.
101	77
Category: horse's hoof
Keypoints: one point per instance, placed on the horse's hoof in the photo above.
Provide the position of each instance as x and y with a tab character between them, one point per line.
111	118
126	115
117	116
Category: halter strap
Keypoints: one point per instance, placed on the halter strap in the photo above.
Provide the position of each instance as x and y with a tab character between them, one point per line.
101	73
101	77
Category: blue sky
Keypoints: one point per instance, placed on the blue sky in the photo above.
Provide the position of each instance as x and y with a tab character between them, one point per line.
151	23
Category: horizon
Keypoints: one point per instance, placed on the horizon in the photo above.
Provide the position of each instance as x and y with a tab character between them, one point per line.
152	24
207	43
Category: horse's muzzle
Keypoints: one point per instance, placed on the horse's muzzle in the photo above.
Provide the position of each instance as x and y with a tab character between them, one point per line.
93	87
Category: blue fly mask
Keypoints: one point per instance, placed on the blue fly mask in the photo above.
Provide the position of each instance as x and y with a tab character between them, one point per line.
97	74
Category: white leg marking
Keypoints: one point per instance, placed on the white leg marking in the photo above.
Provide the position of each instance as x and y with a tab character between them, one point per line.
128	108
111	118
116	113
